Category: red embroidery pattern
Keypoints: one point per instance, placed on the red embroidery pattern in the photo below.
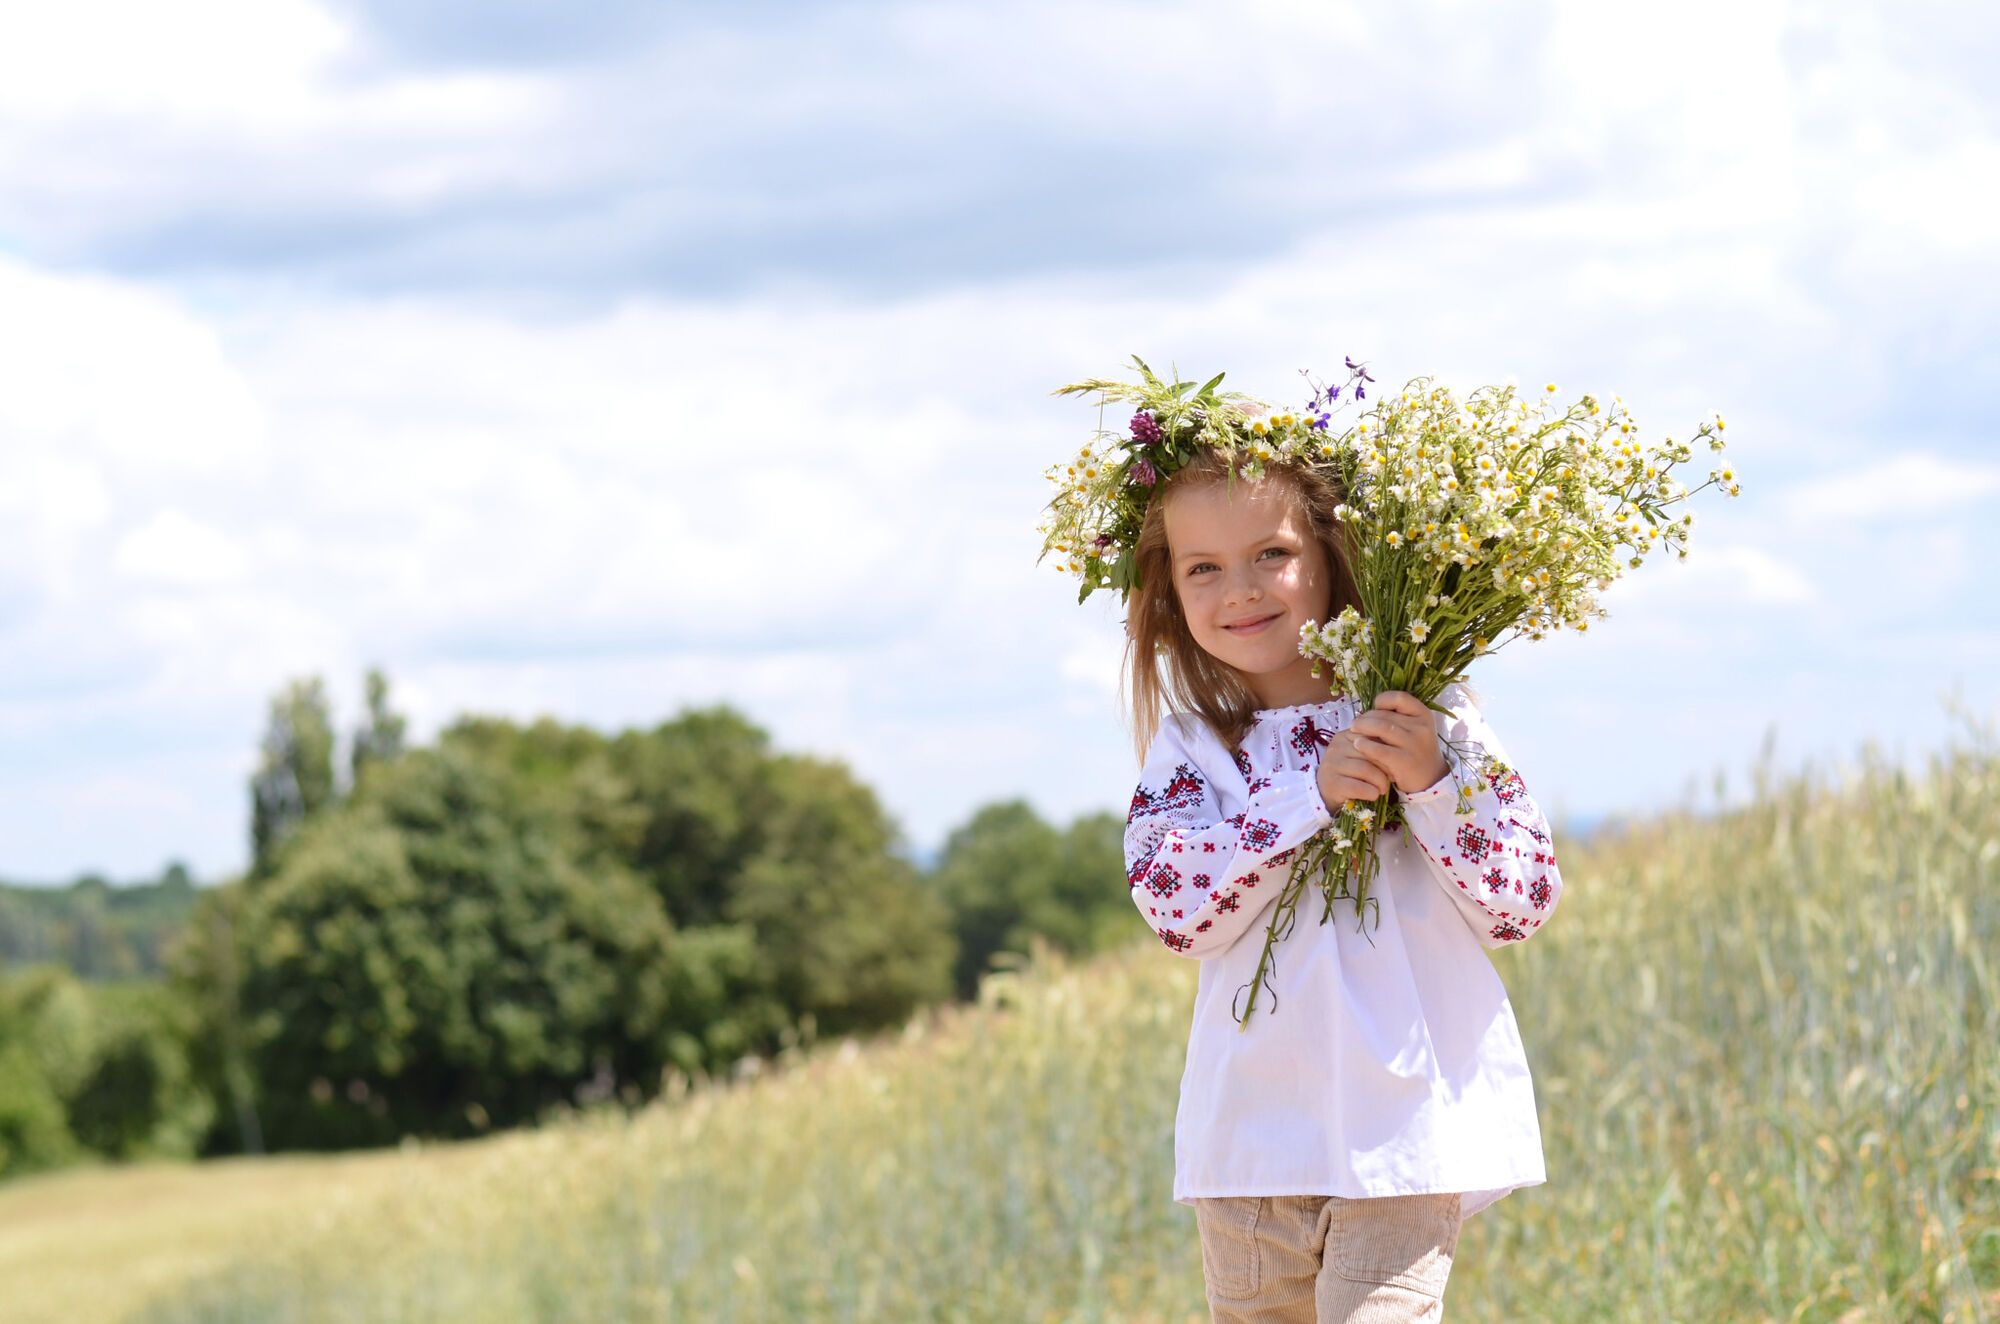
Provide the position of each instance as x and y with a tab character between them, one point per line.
1227	901
1164	880
1496	880
1538	893
1243	764
1509	787
1474	842
1262	833
1176	942
1184	790
1309	738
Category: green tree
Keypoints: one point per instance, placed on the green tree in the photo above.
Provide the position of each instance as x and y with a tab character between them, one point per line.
430	959
568	774
93	1068
847	931
704	787
139	1098
45	1044
1093	903
205	964
1006	874
294	777
996	873
379	738
789	905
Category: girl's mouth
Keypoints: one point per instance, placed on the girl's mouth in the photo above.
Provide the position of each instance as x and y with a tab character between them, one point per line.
1254	627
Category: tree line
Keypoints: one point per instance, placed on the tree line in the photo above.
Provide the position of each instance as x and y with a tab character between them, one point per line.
518	918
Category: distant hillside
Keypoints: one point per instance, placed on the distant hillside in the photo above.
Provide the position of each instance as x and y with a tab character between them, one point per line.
94	928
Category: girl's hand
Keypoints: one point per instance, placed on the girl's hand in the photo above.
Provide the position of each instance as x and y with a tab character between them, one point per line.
1345	775
1398	736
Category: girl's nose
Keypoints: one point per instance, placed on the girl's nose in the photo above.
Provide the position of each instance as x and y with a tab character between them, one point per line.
1243	588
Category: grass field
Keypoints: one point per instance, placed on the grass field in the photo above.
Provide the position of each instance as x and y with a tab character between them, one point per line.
1765	1054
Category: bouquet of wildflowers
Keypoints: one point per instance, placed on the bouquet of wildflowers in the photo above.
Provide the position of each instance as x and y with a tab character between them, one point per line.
1469	524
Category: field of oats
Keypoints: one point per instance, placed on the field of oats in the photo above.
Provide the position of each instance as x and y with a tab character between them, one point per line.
1767	1053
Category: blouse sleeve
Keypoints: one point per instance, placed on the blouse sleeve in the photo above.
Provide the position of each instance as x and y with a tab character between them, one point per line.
1485	837
1200	879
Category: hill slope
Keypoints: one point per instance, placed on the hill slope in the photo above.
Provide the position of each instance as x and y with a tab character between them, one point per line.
1764	1047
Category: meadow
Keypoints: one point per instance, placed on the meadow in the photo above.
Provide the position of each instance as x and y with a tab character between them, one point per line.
1764	1044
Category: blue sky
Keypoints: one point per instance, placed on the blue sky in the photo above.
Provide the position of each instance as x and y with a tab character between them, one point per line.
603	362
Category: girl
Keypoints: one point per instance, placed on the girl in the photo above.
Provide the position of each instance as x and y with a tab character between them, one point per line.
1331	1148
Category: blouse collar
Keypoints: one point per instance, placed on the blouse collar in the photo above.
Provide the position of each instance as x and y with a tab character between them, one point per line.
1261	713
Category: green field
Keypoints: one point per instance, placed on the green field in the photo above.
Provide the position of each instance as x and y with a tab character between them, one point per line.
1765	1054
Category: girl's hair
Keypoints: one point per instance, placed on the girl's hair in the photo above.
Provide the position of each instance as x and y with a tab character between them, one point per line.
1163	663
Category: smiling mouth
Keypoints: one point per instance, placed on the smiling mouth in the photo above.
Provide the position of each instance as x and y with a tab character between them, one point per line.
1251	627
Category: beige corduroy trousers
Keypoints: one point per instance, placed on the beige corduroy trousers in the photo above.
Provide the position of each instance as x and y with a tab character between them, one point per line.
1324	1259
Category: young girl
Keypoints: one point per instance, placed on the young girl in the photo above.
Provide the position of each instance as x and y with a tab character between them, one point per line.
1379	1094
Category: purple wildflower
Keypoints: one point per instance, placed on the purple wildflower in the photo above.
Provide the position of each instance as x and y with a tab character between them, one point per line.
1320	422
1102	540
1359	392
1144	430
1142	471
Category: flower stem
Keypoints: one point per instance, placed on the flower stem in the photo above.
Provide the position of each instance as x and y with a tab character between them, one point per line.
1335	856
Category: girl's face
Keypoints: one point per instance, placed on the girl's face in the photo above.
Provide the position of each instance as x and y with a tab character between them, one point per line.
1248	574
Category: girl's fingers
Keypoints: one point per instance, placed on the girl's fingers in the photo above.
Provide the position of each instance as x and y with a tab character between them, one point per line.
1400	732
1361	771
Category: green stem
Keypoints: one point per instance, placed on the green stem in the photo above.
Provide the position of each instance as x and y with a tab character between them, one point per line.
1332	865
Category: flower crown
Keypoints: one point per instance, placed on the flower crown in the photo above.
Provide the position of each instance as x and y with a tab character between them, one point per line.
1093	521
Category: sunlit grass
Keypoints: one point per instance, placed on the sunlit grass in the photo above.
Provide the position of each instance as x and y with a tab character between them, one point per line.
1764	1046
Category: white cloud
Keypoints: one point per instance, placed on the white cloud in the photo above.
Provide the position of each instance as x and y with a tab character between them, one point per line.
170	548
213	58
1751	576
119	372
1897	490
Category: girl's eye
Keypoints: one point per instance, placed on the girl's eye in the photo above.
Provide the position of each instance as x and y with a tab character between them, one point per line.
1200	566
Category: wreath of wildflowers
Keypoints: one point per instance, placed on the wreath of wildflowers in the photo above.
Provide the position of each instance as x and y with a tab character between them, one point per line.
1093	521
1472	523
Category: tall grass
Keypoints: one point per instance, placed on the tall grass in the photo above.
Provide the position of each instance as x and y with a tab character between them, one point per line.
1764	1050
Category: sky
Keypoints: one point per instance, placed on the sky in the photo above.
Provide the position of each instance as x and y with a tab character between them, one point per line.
602	362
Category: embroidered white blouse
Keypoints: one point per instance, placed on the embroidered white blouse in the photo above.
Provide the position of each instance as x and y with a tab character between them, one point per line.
1389	1062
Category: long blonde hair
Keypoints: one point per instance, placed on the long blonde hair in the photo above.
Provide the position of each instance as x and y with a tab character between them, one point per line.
1164	666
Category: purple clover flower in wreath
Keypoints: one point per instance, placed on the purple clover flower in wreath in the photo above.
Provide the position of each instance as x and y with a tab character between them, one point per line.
1143	472
1144	430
